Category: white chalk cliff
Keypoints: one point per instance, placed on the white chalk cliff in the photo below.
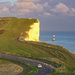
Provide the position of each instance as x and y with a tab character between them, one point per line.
33	33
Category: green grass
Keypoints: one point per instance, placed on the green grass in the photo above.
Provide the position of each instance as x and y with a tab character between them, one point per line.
52	54
3	61
27	68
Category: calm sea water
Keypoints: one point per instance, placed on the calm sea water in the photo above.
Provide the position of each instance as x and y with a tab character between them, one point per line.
65	39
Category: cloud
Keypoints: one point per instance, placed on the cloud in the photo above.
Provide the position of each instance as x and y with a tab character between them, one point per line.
45	4
47	14
25	11
27	7
5	9
28	0
23	7
61	8
73	10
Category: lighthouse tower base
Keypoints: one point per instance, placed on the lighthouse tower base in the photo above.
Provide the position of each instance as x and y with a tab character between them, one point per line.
53	40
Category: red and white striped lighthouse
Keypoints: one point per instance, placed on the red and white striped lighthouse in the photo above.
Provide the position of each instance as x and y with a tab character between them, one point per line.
53	37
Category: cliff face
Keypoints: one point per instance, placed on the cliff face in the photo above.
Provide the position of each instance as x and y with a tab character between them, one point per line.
33	33
23	29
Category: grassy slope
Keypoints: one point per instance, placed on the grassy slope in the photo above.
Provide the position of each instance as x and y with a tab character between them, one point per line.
55	55
27	68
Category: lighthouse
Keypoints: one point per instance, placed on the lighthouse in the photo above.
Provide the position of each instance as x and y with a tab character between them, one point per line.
53	37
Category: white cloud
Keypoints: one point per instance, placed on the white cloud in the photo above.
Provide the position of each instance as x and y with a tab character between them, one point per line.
73	9
23	7
47	14
25	11
5	9
72	12
61	8
28	5
45	4
28	0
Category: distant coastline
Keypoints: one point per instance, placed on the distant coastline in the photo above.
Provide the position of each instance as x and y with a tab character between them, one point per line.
65	39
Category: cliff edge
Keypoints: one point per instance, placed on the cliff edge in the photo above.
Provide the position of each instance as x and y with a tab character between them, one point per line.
33	33
23	29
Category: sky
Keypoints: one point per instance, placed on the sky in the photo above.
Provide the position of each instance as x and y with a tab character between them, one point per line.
54	15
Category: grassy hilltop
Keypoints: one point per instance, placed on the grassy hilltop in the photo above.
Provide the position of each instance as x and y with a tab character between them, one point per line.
12	28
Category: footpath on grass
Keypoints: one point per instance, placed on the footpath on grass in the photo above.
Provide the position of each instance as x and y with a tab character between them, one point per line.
46	68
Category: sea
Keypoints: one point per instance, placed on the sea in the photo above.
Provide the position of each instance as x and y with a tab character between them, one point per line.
65	39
